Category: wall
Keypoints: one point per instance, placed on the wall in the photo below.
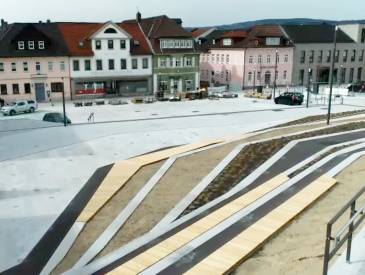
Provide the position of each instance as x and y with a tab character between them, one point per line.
234	67
32	76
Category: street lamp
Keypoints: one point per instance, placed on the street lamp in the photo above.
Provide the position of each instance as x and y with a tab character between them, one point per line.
254	79
64	104
331	77
308	86
276	69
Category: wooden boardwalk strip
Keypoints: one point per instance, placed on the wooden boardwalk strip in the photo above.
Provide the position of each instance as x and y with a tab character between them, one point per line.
223	260
124	170
186	235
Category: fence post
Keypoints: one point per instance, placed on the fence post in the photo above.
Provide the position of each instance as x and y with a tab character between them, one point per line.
351	229
327	249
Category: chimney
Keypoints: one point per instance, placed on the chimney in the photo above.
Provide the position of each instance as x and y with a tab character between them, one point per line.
48	21
40	22
3	26
139	17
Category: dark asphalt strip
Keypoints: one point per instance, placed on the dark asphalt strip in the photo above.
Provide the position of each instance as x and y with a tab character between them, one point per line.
297	154
198	254
42	252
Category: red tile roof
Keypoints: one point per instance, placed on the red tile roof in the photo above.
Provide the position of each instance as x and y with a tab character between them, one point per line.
76	36
235	34
198	32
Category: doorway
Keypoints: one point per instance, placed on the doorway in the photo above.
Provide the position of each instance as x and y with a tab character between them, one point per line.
40	92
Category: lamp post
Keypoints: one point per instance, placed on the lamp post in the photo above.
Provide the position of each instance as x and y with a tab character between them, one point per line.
64	104
308	86
331	76
254	79
276	68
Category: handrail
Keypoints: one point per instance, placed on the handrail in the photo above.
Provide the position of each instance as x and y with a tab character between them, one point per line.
356	218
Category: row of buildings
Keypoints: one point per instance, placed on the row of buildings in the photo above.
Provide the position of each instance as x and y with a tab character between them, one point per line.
135	57
147	56
297	54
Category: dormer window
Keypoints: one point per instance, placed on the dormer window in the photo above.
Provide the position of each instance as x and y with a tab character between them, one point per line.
227	42
41	45
31	45
21	45
110	30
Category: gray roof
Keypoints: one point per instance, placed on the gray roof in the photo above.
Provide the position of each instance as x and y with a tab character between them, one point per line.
315	34
56	45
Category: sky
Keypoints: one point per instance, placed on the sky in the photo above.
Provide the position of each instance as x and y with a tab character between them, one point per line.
194	13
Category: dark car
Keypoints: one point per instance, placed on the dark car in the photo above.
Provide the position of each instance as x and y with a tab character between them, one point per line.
290	98
357	87
55	117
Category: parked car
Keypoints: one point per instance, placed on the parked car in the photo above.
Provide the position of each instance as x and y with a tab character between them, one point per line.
290	98
229	95
23	106
174	98
56	117
357	87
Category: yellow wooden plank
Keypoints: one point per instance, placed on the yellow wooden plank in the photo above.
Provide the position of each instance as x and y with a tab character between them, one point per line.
191	232
262	230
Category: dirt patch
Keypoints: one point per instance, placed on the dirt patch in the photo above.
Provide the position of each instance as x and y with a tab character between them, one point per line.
250	158
105	216
299	248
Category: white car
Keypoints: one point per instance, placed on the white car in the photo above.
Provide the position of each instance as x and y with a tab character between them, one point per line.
23	106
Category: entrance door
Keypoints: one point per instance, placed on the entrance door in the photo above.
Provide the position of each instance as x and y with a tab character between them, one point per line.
267	78
40	92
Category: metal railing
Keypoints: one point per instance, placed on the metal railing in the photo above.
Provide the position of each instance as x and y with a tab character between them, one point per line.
345	233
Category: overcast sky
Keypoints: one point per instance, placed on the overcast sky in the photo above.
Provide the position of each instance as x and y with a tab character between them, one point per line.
192	12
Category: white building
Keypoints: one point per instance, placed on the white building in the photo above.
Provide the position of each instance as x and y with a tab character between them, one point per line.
108	59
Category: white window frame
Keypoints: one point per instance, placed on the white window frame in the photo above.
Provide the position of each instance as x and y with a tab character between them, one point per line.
41	45
25	67
227	42
62	66
2	67
21	45
13	67
50	66
31	45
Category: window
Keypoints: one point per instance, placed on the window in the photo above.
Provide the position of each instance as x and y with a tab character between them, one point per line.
3	89
189	62
110	30
343	76
110	44
27	89
302	57
362	35
135	63
320	57
178	62
145	63
98	44
359	74
222	58
123	64
76	65
250	59
213	58
99	65
62	66
329	56
111	64
277	58
1	66
189	85
337	56
163	63
259	60
249	76
361	58
301	77
21	45
15	89
41	45
57	87
311	56
284	75
38	66
227	58
31	45
87	65
286	58
351	77
50	66
258	75
345	54
268	59
353	56
227	42
25	67
13	67
122	44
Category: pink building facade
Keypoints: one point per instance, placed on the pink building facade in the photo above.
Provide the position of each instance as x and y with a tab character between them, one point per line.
37	78
220	67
